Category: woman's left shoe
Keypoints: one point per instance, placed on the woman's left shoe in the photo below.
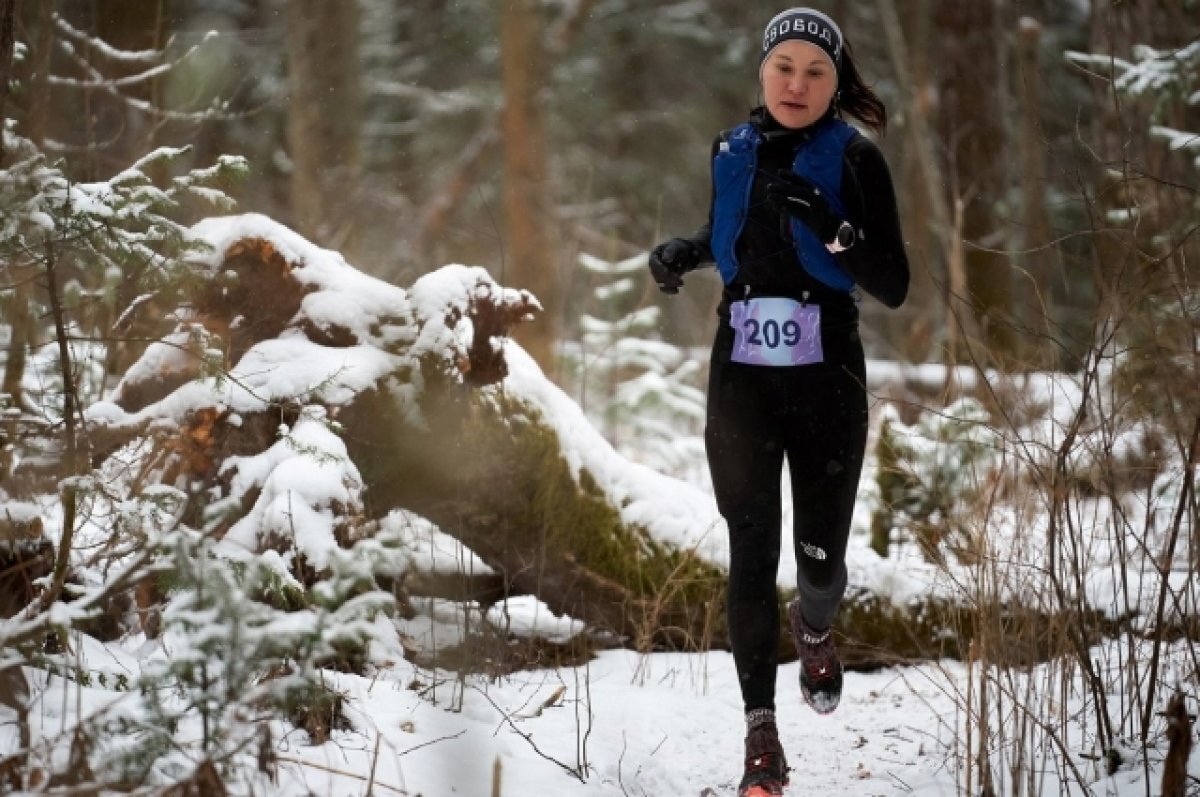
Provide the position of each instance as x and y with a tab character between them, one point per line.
766	769
820	667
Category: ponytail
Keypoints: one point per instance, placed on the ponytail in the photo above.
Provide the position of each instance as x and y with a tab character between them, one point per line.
856	98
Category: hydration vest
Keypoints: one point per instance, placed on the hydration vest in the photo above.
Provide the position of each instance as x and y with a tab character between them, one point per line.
819	160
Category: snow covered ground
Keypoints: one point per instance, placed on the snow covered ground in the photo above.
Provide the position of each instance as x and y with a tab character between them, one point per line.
624	724
655	725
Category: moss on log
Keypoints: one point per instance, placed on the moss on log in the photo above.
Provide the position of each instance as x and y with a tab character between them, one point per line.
487	470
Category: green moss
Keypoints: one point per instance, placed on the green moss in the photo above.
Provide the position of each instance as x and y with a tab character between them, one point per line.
273	589
893	484
575	517
874	632
488	468
317	709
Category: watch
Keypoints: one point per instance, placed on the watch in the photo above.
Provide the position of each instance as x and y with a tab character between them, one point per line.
843	239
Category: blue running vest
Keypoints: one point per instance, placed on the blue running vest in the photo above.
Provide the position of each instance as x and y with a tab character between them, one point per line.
819	160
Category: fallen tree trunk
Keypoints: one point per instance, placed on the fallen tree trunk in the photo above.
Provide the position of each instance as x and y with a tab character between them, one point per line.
419	401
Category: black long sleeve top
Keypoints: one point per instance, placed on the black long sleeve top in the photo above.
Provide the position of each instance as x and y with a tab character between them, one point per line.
768	263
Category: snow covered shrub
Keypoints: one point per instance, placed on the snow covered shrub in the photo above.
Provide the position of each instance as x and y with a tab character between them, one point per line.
84	258
929	477
103	234
227	663
236	636
1168	78
76	255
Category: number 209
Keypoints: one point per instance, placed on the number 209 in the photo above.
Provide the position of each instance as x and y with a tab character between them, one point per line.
770	333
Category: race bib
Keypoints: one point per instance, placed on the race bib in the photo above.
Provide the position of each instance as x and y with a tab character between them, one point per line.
776	331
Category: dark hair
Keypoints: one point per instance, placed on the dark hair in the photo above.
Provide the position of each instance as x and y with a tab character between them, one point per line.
857	98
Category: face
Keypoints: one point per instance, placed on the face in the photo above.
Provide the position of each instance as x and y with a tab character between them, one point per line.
798	83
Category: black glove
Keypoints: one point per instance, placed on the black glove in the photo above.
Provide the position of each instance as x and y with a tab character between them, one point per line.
671	260
795	196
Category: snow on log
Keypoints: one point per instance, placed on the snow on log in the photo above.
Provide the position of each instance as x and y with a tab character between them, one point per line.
299	398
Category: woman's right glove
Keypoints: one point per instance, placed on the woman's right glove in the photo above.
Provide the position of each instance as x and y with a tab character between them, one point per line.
800	199
671	260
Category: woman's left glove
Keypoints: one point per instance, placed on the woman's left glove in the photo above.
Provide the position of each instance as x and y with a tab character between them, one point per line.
795	196
671	260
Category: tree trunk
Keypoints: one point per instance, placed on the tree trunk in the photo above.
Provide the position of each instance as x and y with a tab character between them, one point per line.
962	324
21	321
8	12
970	123
495	478
39	94
133	26
529	260
324	119
1179	747
918	326
482	465
1040	279
438	210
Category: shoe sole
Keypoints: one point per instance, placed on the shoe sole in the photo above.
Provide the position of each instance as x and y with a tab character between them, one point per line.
821	703
760	791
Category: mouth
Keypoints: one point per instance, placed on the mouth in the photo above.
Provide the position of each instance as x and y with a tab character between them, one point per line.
794	106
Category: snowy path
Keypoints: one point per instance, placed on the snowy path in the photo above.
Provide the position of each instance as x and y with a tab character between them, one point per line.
660	725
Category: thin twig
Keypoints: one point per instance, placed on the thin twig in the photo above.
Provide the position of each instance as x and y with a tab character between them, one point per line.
374	762
1164	573
414	748
528	737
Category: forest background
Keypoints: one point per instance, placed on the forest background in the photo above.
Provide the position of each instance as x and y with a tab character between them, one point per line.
517	135
1045	162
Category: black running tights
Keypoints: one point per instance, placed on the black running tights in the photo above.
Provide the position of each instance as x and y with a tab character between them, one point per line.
816	417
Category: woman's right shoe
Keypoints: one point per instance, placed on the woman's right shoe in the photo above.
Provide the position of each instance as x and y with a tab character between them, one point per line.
820	667
766	768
